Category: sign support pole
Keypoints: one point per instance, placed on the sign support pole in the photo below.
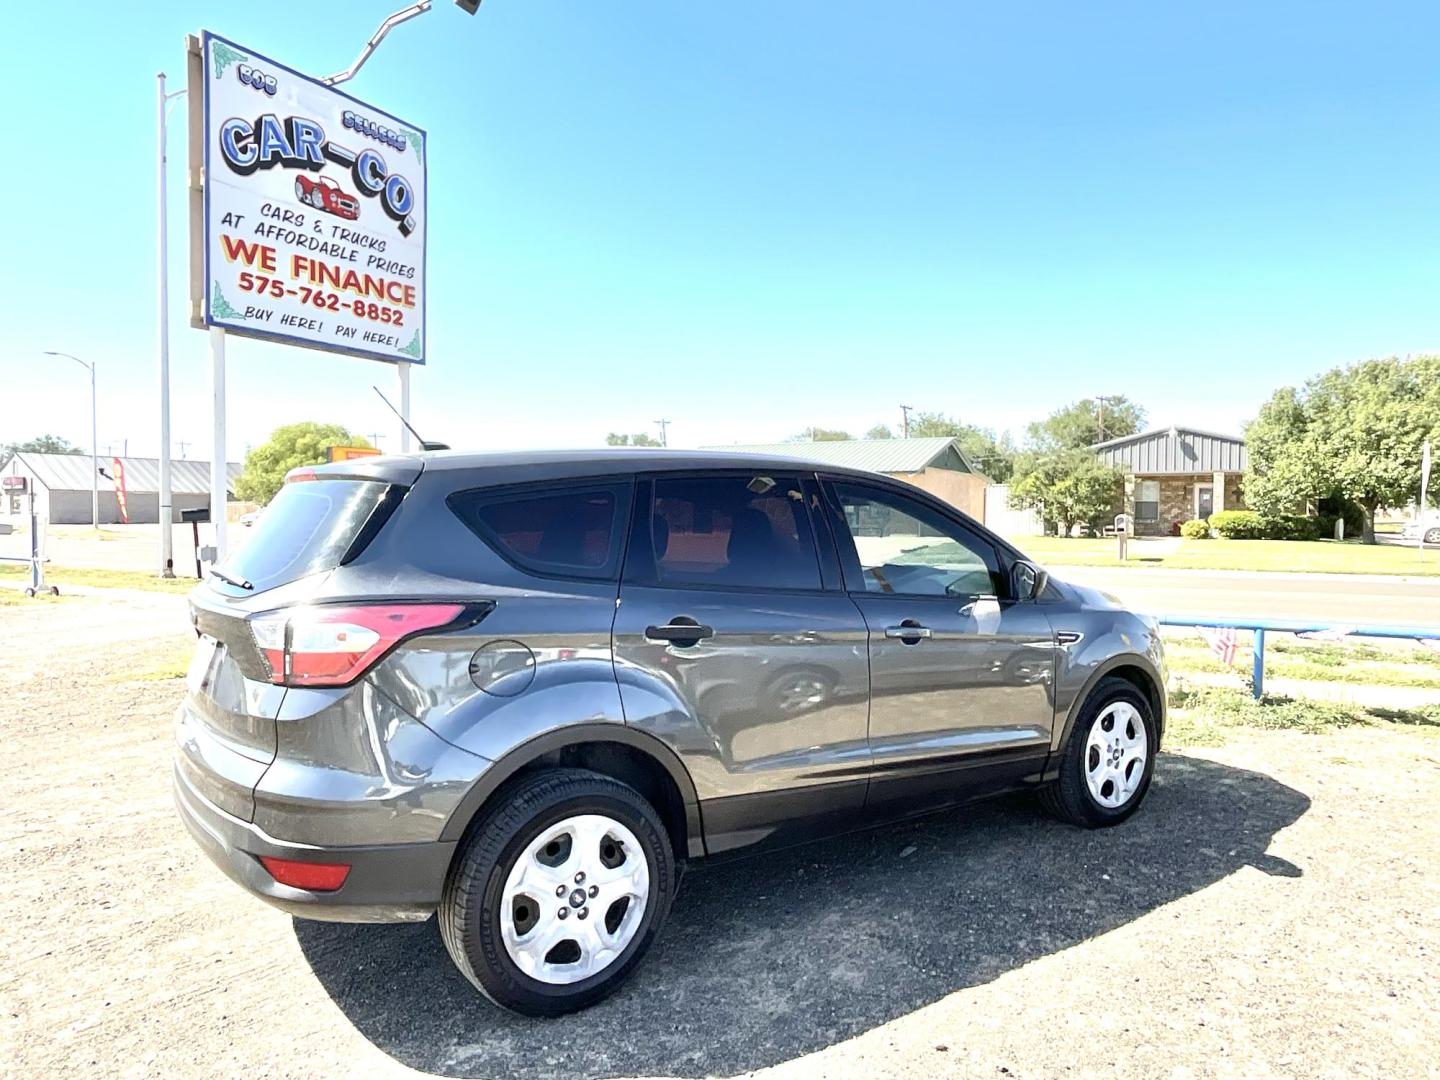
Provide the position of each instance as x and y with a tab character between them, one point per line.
167	553
218	477
402	370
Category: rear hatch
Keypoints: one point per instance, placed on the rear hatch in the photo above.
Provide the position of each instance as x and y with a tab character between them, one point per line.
226	726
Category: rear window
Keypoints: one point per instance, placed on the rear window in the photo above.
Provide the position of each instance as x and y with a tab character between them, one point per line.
308	527
568	532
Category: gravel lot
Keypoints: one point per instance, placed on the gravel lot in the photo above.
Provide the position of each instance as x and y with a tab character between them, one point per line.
1274	910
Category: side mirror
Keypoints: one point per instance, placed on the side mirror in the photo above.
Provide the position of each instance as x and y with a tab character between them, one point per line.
1027	581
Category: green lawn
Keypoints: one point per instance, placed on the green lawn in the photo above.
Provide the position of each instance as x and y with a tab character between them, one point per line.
104	579
1317	556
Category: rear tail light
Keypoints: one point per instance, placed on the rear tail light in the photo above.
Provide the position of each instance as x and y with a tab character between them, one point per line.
335	645
313	876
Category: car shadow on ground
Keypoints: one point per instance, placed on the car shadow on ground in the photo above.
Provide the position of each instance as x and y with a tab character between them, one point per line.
768	958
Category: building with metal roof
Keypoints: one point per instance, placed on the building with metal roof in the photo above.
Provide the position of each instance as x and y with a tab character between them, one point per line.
936	464
61	484
1176	474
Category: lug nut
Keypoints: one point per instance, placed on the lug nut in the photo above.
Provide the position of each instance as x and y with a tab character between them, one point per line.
564	913
580	878
559	890
584	912
594	891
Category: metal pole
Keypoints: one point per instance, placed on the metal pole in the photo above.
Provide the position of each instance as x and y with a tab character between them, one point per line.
402	371
403	15
1257	671
165	512
218	477
94	457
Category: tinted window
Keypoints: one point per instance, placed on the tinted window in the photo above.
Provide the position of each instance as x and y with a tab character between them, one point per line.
570	532
741	531
904	547
308	527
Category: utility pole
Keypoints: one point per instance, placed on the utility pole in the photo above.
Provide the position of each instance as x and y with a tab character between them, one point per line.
183	447
905	421
663	425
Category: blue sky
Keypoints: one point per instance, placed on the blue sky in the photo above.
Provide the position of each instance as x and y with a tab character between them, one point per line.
757	216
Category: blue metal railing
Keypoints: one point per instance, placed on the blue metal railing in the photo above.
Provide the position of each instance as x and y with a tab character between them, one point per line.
1290	626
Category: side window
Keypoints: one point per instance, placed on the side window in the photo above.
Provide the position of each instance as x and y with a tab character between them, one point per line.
1147	500
568	532
739	531
906	548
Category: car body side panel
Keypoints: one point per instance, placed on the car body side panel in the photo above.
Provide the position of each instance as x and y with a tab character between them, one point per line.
777	698
544	663
1106	637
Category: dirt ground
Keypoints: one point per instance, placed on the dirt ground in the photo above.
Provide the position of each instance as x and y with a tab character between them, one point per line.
1274	910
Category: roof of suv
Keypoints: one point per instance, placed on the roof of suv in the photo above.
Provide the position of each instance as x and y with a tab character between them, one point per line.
557	464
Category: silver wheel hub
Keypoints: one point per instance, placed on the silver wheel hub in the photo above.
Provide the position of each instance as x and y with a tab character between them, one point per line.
1116	752
574	899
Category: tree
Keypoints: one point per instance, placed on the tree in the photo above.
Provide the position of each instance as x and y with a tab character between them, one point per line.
1349	433
642	439
1283	473
1065	486
289	447
879	431
993	454
41	444
820	434
1079	425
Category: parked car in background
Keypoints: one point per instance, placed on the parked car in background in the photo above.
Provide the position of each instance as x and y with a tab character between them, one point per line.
524	689
1425	525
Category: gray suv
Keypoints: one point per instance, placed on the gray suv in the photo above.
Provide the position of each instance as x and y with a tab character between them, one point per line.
523	690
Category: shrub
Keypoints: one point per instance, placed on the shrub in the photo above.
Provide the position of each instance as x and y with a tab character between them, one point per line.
1199	529
1291	527
1238	524
1248	525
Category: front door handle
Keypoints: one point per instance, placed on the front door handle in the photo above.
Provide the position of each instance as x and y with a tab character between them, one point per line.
910	632
680	631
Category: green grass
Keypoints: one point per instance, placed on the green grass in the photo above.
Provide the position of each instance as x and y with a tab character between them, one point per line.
1355	664
1206	715
102	579
1314	556
14	598
173	667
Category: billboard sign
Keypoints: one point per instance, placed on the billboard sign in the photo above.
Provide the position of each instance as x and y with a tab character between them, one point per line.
312	211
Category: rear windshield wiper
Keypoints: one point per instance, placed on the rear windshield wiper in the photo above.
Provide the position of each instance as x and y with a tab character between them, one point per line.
247	586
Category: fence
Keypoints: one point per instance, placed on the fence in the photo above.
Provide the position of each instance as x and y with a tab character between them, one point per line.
1282	626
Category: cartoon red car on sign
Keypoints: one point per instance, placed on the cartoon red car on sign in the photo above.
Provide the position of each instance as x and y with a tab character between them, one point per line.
324	194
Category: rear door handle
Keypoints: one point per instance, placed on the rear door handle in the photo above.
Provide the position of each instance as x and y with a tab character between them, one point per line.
908	632
680	632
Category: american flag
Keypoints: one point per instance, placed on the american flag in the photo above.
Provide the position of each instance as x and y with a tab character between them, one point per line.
1221	640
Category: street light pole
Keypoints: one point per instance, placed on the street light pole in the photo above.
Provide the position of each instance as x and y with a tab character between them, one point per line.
166	511
94	441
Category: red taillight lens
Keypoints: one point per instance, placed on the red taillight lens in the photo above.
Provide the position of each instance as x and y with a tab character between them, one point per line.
332	646
313	876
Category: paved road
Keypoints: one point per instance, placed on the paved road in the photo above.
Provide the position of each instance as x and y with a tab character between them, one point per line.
1344	598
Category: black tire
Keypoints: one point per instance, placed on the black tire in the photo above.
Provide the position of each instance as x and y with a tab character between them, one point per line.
1069	797
470	909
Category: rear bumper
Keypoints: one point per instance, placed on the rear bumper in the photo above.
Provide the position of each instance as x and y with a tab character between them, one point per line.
387	883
